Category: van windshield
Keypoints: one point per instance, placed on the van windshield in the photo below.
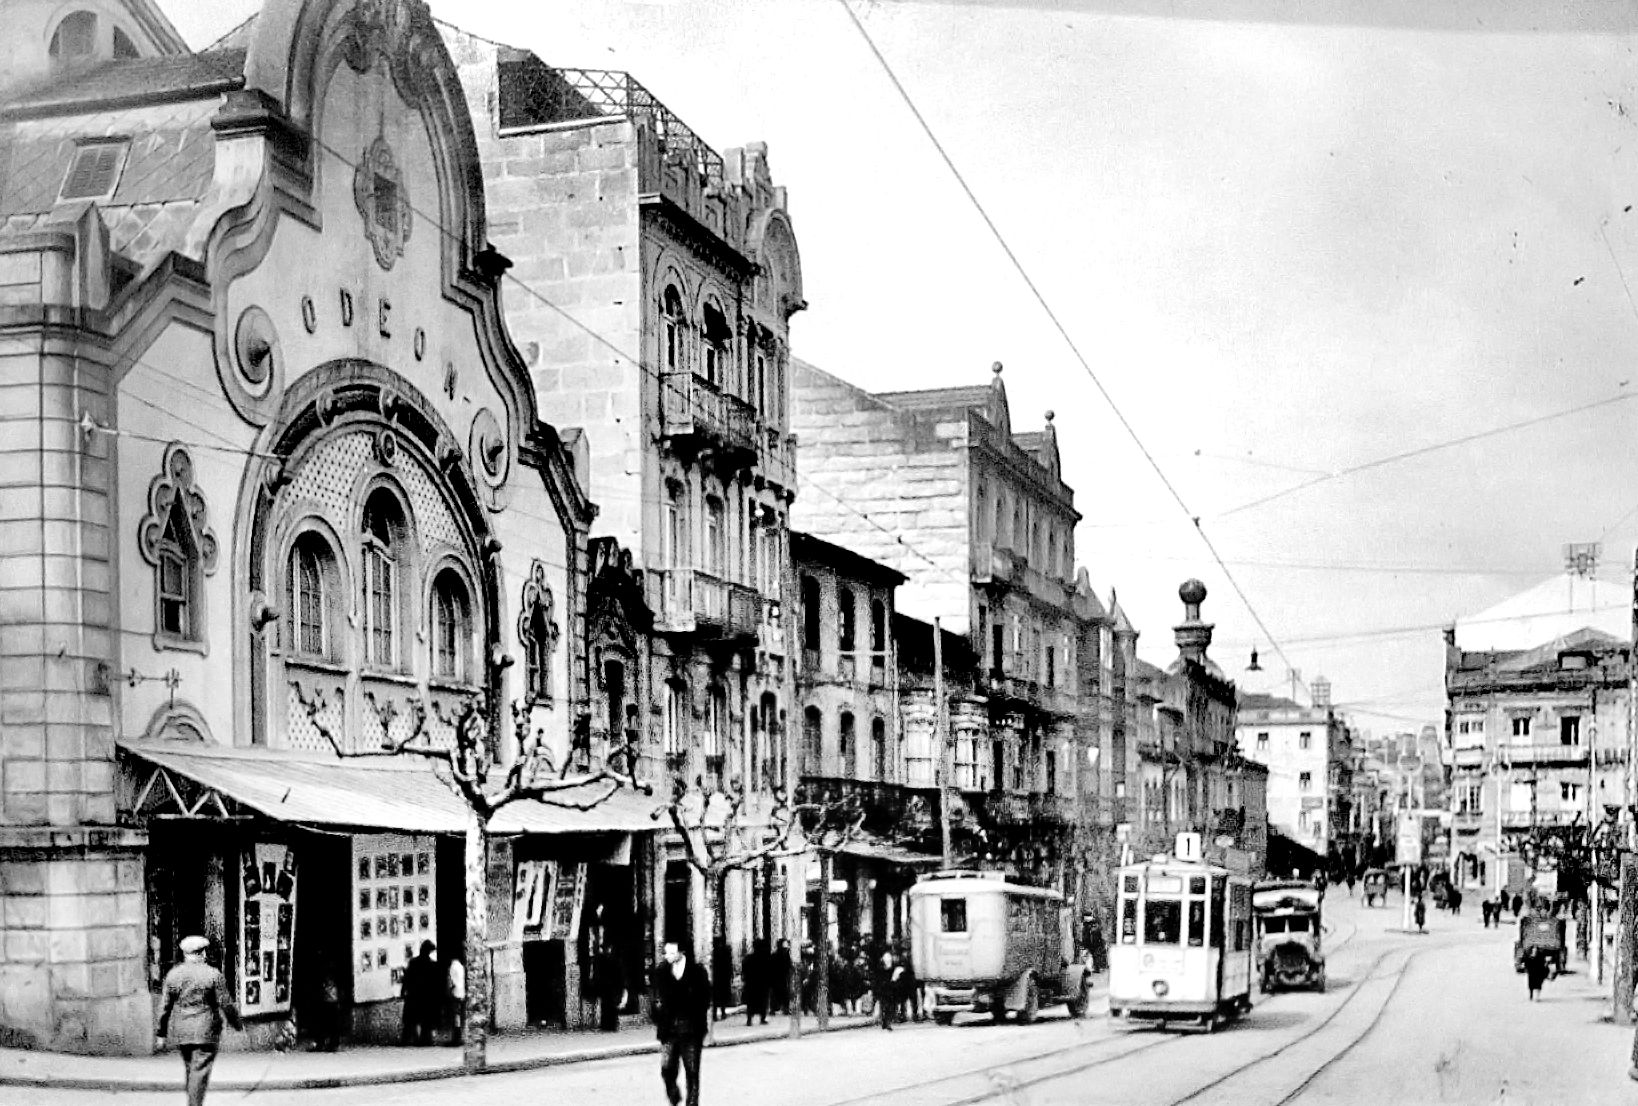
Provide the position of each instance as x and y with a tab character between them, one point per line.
953	915
1162	921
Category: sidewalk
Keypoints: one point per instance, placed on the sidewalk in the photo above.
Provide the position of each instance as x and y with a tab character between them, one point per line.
367	1065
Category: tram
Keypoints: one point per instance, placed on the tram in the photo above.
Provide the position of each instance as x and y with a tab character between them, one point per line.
1184	944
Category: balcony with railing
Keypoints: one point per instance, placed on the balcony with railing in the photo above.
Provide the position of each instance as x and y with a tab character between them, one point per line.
1052	807
687	600
992	563
697	415
1547	752
673	161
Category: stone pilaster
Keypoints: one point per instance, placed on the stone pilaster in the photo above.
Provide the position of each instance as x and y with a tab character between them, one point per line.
71	924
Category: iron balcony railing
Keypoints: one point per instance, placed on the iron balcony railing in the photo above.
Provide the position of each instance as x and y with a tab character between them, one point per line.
687	599
694	408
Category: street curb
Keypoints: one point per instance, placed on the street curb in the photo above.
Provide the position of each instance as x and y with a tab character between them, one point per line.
384	1078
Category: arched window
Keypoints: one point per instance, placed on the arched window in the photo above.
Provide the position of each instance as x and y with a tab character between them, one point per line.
878	628
123	46
1018	536
810	613
383	554
998	531
846	746
672	326
878	749
718	336
847	619
813	739
178	575
75	39
716	724
176	539
451	628
311	563
675	737
1037	550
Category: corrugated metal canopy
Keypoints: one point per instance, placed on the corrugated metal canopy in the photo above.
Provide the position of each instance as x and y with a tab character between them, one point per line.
390	793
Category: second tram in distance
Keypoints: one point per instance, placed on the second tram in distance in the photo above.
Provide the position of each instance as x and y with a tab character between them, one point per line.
1184	940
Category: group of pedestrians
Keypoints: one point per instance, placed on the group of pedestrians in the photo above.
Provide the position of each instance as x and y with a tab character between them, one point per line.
1493	909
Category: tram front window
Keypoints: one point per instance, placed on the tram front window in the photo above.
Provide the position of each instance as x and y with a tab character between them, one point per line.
953	915
1128	921
1162	921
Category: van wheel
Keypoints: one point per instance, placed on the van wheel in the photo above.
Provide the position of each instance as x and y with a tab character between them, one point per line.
1082	1000
1032	1004
943	1017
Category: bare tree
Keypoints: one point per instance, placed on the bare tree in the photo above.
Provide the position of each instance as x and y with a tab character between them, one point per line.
724	829
469	766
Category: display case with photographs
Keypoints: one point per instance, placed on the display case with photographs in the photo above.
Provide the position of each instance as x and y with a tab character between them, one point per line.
392	873
267	929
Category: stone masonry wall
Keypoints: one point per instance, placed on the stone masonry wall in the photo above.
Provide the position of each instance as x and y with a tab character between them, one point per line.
909	475
562	205
71	916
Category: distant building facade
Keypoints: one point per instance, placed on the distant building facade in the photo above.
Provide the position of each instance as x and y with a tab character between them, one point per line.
1308	751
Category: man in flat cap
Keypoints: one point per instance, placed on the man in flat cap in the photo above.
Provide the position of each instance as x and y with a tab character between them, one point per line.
196	1002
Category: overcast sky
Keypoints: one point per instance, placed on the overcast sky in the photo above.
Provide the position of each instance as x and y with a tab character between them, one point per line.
1288	238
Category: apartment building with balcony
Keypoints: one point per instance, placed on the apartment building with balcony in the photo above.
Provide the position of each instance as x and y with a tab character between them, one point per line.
992	557
851	737
653	284
1537	741
1308	751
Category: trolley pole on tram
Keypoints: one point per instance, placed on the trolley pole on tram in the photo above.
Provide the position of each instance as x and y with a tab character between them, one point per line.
941	735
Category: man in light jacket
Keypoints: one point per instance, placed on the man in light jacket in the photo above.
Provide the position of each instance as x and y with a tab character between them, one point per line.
195	1004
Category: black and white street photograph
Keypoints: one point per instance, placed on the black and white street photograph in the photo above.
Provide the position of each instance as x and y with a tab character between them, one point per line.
819	552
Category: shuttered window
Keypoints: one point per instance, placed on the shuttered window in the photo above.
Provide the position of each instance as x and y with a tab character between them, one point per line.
95	171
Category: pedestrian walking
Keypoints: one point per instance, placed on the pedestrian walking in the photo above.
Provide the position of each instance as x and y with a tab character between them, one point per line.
1518	904
1455	901
722	979
611	990
887	978
1487	908
423	994
1535	972
682	1005
909	988
779	977
755	981
1421	913
455	986
1351	881
195	1004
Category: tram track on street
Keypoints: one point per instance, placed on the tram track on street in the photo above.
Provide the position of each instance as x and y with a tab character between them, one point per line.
1004	1080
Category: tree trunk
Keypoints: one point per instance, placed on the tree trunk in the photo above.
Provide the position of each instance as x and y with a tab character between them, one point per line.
1627	923
475	1054
821	944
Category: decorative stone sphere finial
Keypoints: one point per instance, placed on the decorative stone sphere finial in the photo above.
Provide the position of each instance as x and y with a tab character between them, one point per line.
1192	592
996	368
1051	415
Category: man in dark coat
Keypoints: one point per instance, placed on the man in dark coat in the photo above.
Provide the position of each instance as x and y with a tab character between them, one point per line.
611	989
756	966
779	977
682	1010
722	978
423	992
196	1003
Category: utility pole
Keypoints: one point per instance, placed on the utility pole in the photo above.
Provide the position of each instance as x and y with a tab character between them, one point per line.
1627	894
940	737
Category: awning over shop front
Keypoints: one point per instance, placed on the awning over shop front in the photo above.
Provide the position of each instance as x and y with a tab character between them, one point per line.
389	793
870	847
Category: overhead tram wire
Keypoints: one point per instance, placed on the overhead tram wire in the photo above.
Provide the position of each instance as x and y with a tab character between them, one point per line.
1063	331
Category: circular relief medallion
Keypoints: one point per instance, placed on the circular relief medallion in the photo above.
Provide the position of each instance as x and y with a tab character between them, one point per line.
255	350
488	447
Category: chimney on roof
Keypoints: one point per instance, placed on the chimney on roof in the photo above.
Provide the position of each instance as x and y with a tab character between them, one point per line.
1192	635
